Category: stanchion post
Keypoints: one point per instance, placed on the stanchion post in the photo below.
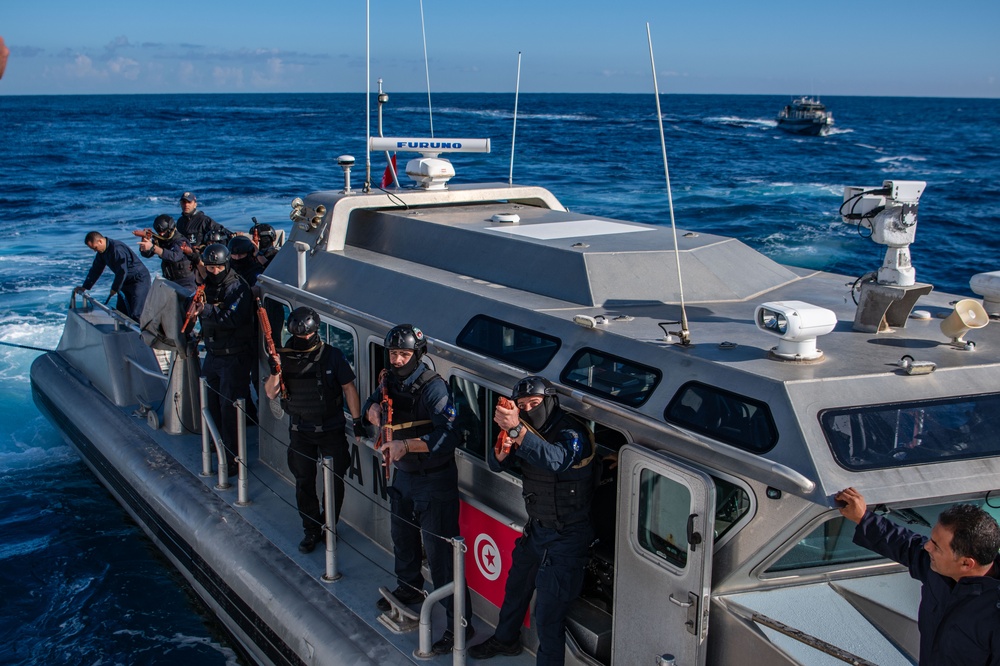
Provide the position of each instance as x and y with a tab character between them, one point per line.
242	485
206	451
330	508
458	651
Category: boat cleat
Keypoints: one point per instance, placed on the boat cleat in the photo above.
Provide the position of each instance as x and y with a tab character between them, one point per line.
398	619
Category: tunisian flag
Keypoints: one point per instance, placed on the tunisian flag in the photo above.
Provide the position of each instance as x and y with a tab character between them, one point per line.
387	176
488	558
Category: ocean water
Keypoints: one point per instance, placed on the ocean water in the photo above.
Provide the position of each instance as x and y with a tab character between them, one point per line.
79	583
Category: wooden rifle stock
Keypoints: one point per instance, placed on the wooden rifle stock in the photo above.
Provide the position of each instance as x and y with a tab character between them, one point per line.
192	310
265	328
145	234
385	421
504	443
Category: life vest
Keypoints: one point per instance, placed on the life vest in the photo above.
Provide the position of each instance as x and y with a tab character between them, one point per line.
563	498
310	396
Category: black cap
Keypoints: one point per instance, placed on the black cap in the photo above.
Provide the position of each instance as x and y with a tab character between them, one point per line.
189	196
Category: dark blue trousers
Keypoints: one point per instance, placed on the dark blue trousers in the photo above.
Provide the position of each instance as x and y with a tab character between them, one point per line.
134	293
552	562
424	507
228	379
303	451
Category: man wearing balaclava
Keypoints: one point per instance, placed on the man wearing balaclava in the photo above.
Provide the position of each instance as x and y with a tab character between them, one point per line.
556	452
314	382
424	491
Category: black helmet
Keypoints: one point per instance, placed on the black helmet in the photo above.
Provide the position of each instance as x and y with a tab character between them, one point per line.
164	226
302	321
241	245
541	416
215	254
215	236
406	336
532	386
266	234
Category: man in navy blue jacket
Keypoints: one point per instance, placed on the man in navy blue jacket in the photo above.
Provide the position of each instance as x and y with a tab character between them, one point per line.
959	614
131	283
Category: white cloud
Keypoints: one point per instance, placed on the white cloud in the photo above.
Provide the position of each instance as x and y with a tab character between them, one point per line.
124	67
228	77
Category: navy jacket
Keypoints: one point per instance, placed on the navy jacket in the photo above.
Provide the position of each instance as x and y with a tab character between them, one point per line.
959	621
434	403
196	226
122	261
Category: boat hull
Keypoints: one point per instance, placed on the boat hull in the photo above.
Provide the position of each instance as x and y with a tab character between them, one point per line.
276	612
804	127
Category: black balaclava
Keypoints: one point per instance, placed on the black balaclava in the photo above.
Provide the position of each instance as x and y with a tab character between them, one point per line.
538	417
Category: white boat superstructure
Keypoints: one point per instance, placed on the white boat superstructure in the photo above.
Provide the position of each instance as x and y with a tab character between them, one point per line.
718	541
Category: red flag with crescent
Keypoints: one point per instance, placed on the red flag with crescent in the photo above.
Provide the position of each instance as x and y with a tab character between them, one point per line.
387	180
488	558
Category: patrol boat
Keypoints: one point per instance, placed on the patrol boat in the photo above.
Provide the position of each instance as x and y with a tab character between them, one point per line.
806	115
728	413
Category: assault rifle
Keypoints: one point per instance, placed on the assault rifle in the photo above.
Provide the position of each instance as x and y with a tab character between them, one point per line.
265	328
192	311
385	422
147	234
504	443
255	236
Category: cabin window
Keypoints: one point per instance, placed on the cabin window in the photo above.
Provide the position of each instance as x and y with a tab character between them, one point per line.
732	503
731	418
512	344
611	377
831	543
662	519
914	433
474	415
340	338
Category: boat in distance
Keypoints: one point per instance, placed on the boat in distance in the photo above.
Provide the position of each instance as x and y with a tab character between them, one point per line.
806	115
733	412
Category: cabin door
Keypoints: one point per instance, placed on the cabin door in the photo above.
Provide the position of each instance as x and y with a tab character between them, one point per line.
663	559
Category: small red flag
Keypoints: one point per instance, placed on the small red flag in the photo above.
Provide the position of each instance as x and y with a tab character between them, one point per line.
387	180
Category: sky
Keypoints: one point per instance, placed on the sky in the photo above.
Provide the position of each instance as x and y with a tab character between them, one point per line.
911	48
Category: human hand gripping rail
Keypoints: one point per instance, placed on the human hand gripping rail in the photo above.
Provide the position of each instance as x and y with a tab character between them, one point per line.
384	422
504	444
272	352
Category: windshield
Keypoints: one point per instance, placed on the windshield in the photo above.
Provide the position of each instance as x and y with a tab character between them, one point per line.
879	436
831	543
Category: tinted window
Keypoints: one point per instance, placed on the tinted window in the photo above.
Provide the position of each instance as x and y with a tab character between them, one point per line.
509	343
878	436
612	377
662	518
729	417
340	338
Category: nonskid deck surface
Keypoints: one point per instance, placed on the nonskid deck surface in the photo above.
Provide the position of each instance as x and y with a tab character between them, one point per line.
364	566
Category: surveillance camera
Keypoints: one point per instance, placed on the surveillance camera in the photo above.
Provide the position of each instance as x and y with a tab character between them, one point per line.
798	324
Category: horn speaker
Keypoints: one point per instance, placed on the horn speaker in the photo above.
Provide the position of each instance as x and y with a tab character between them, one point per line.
968	314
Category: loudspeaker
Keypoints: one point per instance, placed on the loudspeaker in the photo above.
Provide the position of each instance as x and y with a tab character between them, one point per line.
968	314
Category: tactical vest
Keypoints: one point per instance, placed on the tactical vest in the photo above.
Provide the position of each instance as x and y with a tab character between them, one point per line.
411	420
561	498
176	271
225	341
310	397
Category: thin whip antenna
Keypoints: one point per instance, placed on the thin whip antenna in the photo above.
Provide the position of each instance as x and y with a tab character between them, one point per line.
513	134
368	97
685	334
427	68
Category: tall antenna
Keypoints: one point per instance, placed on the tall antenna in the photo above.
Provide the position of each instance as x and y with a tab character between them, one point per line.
427	69
685	334
513	134
368	97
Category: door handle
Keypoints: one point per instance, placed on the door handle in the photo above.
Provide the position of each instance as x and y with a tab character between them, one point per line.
678	602
694	538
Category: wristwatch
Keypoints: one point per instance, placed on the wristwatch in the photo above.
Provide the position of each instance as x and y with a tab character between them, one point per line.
514	432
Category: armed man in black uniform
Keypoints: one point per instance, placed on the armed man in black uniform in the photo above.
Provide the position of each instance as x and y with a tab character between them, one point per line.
195	225
243	259
266	238
172	249
558	467
318	381
226	314
131	283
424	492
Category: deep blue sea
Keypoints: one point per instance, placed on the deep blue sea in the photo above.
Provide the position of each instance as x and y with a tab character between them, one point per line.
79	583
